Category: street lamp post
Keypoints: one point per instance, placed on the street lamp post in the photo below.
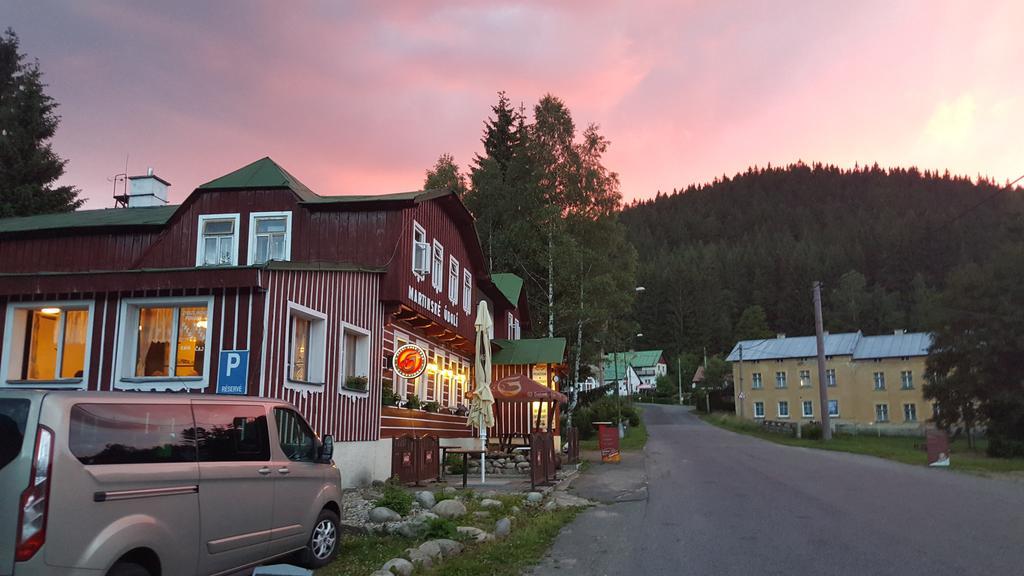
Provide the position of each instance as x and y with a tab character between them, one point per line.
618	385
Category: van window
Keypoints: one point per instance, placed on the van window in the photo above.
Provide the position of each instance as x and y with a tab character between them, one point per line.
131	433
297	441
13	417
231	433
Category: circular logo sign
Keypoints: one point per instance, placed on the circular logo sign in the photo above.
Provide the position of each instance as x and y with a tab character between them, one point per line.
509	387
410	361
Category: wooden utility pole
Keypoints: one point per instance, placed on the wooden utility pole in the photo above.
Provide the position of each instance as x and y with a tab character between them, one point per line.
739	391
819	330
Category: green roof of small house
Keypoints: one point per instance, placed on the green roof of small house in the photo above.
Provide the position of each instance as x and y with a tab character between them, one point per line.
615	363
510	285
529	351
261	174
108	217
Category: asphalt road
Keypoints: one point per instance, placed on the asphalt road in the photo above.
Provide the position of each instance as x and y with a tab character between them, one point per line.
708	501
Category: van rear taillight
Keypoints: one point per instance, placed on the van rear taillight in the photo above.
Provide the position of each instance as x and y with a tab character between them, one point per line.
35	500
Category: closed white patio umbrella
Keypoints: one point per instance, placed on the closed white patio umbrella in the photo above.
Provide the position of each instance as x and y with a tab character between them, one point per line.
481	405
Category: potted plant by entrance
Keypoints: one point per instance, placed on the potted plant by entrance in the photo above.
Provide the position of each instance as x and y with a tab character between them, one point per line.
388	397
356	383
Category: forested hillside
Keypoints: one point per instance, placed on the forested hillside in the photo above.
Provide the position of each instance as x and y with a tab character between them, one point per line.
883	242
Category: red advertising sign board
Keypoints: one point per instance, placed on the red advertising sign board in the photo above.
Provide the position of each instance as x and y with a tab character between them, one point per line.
608	442
938	448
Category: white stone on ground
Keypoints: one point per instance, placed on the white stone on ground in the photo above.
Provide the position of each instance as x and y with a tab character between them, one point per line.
426	499
449	509
380	515
502	528
448	547
398	566
488	503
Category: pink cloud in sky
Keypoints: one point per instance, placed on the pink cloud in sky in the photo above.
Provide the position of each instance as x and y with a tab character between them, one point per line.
362	97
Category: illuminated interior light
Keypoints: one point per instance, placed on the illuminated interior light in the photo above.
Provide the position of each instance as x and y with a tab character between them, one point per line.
432	368
50	310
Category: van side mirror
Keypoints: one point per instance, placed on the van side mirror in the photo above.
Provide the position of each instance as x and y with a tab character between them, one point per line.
327	448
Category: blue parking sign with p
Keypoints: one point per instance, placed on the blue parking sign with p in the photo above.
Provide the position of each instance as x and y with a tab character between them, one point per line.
233	373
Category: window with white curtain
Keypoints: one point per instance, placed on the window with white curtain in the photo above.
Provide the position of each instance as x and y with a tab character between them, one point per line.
47	342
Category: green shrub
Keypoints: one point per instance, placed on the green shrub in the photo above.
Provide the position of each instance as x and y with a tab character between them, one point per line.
999	447
413	402
396	499
582	419
454	464
811	431
436	528
431	406
388	397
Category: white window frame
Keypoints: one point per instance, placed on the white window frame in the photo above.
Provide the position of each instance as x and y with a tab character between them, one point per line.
879	380
880	405
200	237
758	404
830	377
778	408
756	381
317	364
830	414
906	380
437	266
362	362
467	291
782	380
805	382
913	408
454	268
510	325
12	349
419	231
253	217
127	349
803	408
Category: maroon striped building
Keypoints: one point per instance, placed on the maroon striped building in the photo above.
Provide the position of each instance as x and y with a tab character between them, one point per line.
256	285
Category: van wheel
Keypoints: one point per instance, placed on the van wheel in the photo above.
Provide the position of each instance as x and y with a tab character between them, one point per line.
127	569
322	546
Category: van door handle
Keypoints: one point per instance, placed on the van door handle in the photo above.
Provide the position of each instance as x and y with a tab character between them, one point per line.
264	471
283	470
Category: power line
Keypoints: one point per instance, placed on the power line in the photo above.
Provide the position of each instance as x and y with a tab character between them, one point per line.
989	198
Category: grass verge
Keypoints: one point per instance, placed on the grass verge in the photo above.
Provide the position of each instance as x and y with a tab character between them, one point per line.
532	534
361	555
635	439
533	530
898	448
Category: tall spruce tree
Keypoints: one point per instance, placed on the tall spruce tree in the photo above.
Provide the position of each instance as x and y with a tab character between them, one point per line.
28	120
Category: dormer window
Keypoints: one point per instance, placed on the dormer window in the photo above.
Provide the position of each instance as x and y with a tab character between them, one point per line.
218	240
467	291
270	237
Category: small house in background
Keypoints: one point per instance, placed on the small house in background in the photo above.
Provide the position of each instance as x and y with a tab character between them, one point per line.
256	286
698	377
636	370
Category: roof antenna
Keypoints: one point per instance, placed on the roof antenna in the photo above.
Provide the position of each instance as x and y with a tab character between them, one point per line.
121	181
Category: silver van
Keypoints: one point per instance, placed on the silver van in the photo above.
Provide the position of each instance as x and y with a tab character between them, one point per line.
149	484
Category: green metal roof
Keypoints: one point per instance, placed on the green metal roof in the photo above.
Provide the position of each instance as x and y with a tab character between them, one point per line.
416	196
261	174
510	285
615	363
109	217
529	351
